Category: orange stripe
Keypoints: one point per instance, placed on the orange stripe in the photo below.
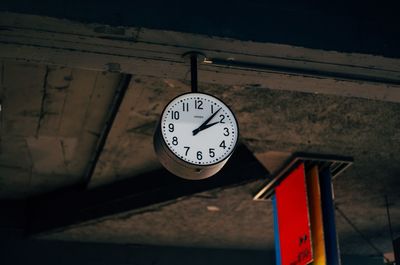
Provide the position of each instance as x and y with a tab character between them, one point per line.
317	229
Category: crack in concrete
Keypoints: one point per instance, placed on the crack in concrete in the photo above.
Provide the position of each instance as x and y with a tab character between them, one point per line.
42	112
66	163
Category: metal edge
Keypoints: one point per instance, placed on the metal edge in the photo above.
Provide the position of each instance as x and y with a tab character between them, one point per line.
267	189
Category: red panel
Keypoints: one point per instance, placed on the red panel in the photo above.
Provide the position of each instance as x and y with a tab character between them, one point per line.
293	219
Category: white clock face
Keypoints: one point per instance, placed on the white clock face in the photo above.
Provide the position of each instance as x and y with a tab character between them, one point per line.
199	129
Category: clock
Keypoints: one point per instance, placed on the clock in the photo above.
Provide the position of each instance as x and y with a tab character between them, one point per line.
196	135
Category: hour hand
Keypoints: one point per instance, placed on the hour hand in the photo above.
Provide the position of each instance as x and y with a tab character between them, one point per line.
203	128
204	124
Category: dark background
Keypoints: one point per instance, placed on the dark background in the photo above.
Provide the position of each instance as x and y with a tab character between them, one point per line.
350	26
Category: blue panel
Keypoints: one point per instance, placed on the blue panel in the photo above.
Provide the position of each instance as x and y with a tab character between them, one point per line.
328	213
276	232
396	247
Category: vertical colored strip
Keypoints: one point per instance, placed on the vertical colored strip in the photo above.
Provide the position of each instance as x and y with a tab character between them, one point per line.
293	218
276	232
396	247
317	227
328	212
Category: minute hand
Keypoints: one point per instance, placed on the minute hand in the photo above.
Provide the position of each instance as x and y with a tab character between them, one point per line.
204	124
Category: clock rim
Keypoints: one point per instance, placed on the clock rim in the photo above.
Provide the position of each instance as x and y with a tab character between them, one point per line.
190	163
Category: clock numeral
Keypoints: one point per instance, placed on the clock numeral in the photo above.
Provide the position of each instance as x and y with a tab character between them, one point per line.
222	118
199	155
185	106
175	115
222	144
212	108
226	131
187	150
198	104
211	151
171	127
175	140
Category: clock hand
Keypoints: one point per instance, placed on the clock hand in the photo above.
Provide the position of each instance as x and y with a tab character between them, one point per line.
200	128
204	127
210	118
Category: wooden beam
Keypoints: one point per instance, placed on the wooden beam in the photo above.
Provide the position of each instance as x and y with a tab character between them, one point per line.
159	53
57	210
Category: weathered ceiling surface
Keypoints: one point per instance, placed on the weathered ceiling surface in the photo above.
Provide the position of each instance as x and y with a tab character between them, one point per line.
272	123
129	147
50	121
57	87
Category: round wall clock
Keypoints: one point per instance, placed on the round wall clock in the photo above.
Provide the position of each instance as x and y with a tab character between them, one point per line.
196	135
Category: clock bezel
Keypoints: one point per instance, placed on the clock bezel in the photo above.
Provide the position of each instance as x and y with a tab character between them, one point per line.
187	162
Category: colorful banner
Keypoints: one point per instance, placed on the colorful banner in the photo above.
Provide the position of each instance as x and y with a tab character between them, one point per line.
293	219
316	219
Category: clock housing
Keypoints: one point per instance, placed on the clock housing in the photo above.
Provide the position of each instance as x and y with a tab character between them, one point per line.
196	135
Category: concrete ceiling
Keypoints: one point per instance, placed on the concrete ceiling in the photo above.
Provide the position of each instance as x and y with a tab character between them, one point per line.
53	113
273	124
50	121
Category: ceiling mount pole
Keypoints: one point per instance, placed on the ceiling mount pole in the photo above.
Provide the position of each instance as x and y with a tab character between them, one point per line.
194	57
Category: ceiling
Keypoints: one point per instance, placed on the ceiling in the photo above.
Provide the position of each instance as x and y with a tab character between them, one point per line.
56	102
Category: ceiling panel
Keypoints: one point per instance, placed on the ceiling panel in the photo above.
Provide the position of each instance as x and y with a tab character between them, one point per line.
129	147
51	119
